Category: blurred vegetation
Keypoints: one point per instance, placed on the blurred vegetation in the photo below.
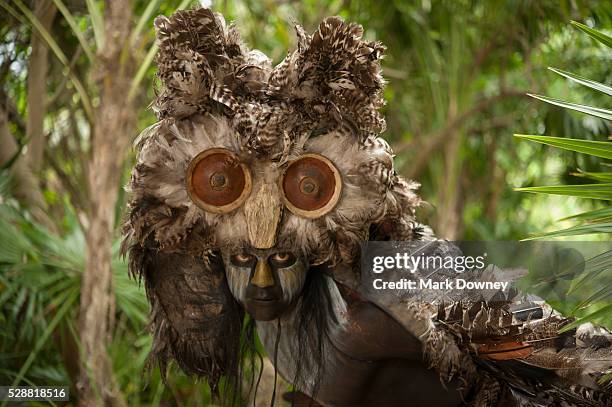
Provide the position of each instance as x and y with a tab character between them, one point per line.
458	71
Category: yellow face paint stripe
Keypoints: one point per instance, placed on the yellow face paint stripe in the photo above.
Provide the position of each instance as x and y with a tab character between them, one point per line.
263	275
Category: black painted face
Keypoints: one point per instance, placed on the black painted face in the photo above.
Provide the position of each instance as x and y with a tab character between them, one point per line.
265	281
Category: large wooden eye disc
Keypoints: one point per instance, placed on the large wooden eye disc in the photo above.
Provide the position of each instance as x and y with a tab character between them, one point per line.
311	186
217	182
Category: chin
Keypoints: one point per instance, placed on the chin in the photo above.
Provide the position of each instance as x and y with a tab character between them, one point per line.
265	310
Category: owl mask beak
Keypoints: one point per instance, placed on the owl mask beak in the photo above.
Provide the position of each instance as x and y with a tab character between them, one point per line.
263	211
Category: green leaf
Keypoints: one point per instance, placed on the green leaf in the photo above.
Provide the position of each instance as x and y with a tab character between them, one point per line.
584	81
142	71
593	267
97	21
144	19
59	54
593	215
589	317
590	229
146	63
598	176
597	148
601	294
593	111
75	28
596	35
594	191
59	315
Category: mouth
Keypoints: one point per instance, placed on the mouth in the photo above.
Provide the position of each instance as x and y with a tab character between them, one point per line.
265	301
264	309
264	296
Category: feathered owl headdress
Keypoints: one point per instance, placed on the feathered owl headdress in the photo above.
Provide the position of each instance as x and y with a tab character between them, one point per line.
247	153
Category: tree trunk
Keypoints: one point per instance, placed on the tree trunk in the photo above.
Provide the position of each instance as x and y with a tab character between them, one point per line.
25	186
449	213
37	86
115	121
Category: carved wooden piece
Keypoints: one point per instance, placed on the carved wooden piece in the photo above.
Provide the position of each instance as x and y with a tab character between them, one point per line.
311	186
263	213
217	182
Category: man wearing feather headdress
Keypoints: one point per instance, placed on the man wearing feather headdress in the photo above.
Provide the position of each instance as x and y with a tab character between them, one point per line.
253	193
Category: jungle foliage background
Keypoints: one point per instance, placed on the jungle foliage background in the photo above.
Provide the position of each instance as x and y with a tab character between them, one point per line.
75	81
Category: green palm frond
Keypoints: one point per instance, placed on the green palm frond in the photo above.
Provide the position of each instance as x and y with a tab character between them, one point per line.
592	216
600	313
584	81
57	50
590	110
40	280
578	230
595	34
97	22
596	148
148	59
597	176
593	191
592	304
75	28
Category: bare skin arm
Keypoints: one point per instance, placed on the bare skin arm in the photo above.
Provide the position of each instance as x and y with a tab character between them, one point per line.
377	362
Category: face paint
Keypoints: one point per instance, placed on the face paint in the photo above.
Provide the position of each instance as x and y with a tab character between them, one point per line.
265	282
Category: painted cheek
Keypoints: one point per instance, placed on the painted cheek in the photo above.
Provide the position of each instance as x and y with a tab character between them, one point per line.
291	281
238	280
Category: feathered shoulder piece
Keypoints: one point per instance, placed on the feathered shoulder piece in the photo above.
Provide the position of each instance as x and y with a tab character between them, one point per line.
333	78
521	354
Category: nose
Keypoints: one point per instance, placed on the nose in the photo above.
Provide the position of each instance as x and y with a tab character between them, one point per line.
262	277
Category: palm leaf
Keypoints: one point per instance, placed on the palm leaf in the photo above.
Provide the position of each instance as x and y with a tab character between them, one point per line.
59	54
59	315
593	191
584	81
596	35
142	71
595	228
598	176
75	28
594	215
594	267
144	19
593	111
40	276
587	318
146	63
602	294
597	148
97	22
